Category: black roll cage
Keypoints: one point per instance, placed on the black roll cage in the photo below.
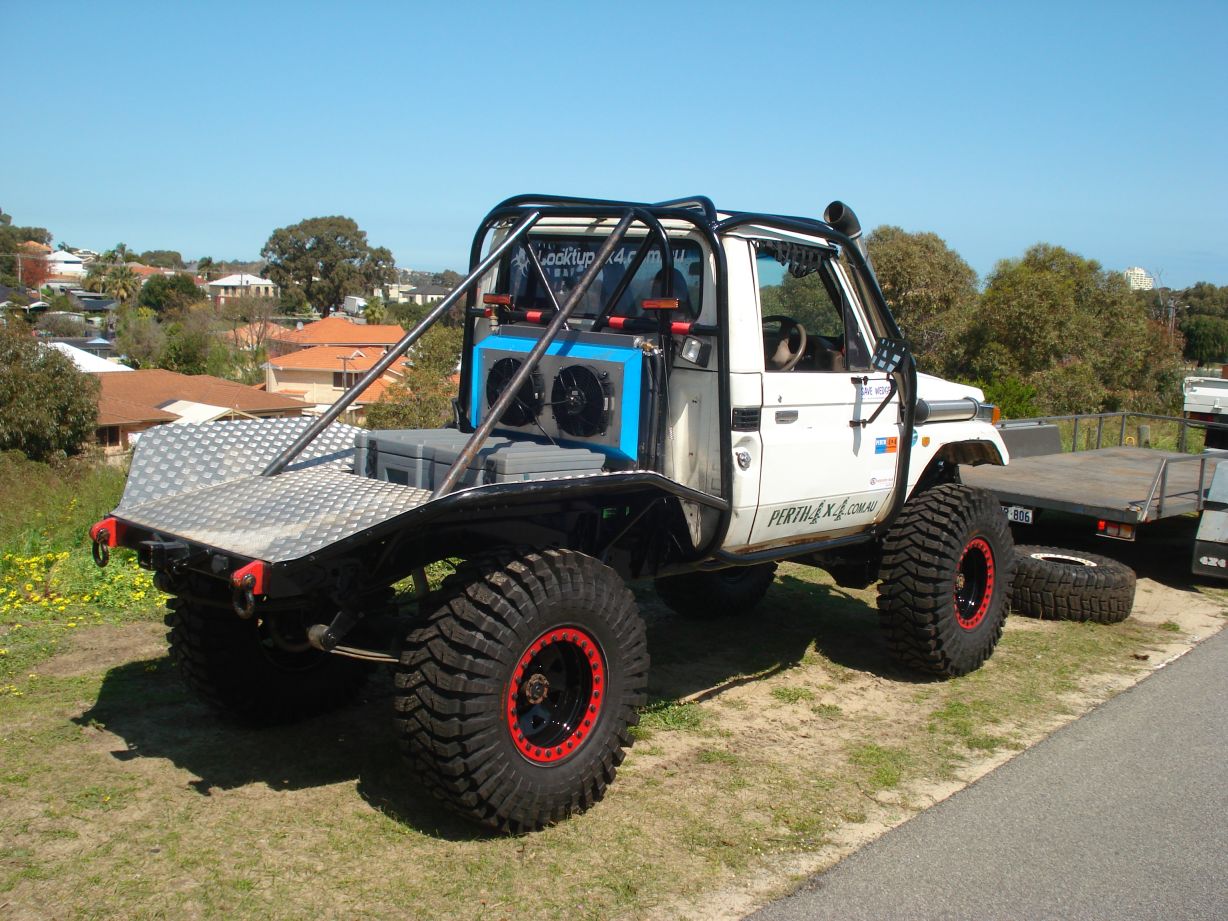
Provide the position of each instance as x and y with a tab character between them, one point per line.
521	213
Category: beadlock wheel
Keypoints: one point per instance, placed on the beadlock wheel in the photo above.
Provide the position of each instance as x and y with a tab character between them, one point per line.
948	562
517	690
974	583
556	695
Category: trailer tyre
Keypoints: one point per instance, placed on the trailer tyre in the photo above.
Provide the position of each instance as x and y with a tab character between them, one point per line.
516	694
259	671
1072	585
948	562
722	592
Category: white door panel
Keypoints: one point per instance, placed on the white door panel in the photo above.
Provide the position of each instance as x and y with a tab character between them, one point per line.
821	474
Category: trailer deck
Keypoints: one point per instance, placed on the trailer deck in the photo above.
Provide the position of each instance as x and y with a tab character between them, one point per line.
1130	485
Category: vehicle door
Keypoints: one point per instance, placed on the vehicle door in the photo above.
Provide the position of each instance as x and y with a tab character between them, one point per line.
824	468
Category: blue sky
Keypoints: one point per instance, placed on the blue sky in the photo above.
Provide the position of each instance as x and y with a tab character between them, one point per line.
202	127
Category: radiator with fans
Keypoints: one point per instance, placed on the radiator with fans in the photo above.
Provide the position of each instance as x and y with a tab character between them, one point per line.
585	391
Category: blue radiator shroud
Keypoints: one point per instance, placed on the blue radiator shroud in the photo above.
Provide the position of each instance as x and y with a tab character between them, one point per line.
622	362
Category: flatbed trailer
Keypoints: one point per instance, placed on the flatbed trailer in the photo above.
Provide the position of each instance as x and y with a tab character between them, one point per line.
1119	486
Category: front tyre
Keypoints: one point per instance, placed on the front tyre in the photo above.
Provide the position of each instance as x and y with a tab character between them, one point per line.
948	564
516	695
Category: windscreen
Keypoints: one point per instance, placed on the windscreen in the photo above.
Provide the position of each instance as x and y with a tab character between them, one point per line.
565	259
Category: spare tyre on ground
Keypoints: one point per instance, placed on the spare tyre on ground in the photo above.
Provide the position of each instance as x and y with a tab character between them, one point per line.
1056	584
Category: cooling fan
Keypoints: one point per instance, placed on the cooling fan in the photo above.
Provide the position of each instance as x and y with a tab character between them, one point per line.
524	409
582	400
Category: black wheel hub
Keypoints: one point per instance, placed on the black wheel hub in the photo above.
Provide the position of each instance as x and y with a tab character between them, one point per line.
555	695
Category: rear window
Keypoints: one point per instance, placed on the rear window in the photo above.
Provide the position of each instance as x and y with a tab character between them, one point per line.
565	260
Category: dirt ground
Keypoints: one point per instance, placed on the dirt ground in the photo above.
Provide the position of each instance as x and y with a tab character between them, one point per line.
774	746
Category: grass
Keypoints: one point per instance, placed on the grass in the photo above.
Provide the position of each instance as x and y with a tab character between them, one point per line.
1164	435
122	796
49	585
792	695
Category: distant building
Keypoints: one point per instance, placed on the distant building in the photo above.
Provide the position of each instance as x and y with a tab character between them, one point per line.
426	294
242	285
88	357
395	293
130	403
319	376
1139	279
336	331
65	267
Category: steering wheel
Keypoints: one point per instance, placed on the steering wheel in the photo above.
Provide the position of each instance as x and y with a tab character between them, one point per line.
785	356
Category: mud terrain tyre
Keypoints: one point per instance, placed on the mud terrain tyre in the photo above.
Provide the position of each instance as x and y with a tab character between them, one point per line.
1072	585
516	694
240	669
723	592
946	574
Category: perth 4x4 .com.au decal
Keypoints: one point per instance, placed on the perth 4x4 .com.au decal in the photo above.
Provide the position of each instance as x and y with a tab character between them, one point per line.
833	510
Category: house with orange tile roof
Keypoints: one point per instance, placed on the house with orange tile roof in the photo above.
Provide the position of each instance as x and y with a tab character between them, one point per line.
130	403
253	336
338	332
319	375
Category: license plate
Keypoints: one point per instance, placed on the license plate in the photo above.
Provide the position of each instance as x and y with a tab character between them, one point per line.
1017	514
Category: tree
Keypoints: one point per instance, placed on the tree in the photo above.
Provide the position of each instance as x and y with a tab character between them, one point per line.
422	398
34	270
195	345
120	282
930	290
250	321
1063	325
141	338
46	404
169	293
375	312
61	325
115	256
408	314
204	268
326	258
95	278
1206	338
162	258
11	240
1204	298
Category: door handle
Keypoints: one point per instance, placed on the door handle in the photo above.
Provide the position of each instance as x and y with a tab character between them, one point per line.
785	416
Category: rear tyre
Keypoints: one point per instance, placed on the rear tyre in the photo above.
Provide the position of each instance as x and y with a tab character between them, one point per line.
516	695
719	593
948	562
260	671
1072	585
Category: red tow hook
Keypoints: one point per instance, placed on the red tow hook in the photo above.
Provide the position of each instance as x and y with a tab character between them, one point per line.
248	582
105	535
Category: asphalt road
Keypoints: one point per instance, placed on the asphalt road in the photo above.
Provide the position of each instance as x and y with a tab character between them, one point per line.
1122	814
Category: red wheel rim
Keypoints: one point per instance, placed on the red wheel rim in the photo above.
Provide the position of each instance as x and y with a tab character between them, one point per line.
555	696
974	583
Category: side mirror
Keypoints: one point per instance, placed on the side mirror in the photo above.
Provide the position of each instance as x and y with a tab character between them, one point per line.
889	355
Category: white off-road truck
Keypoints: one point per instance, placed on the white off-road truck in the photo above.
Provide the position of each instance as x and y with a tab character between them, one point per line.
661	391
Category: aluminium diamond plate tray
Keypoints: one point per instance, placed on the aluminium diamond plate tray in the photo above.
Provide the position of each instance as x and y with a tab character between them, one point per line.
201	483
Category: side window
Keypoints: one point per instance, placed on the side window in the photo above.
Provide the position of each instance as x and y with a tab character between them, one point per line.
808	322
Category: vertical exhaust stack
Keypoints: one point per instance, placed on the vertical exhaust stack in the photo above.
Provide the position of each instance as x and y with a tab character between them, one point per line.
841	217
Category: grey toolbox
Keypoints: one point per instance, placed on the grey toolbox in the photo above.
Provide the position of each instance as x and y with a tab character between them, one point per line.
422	457
517	461
405	456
